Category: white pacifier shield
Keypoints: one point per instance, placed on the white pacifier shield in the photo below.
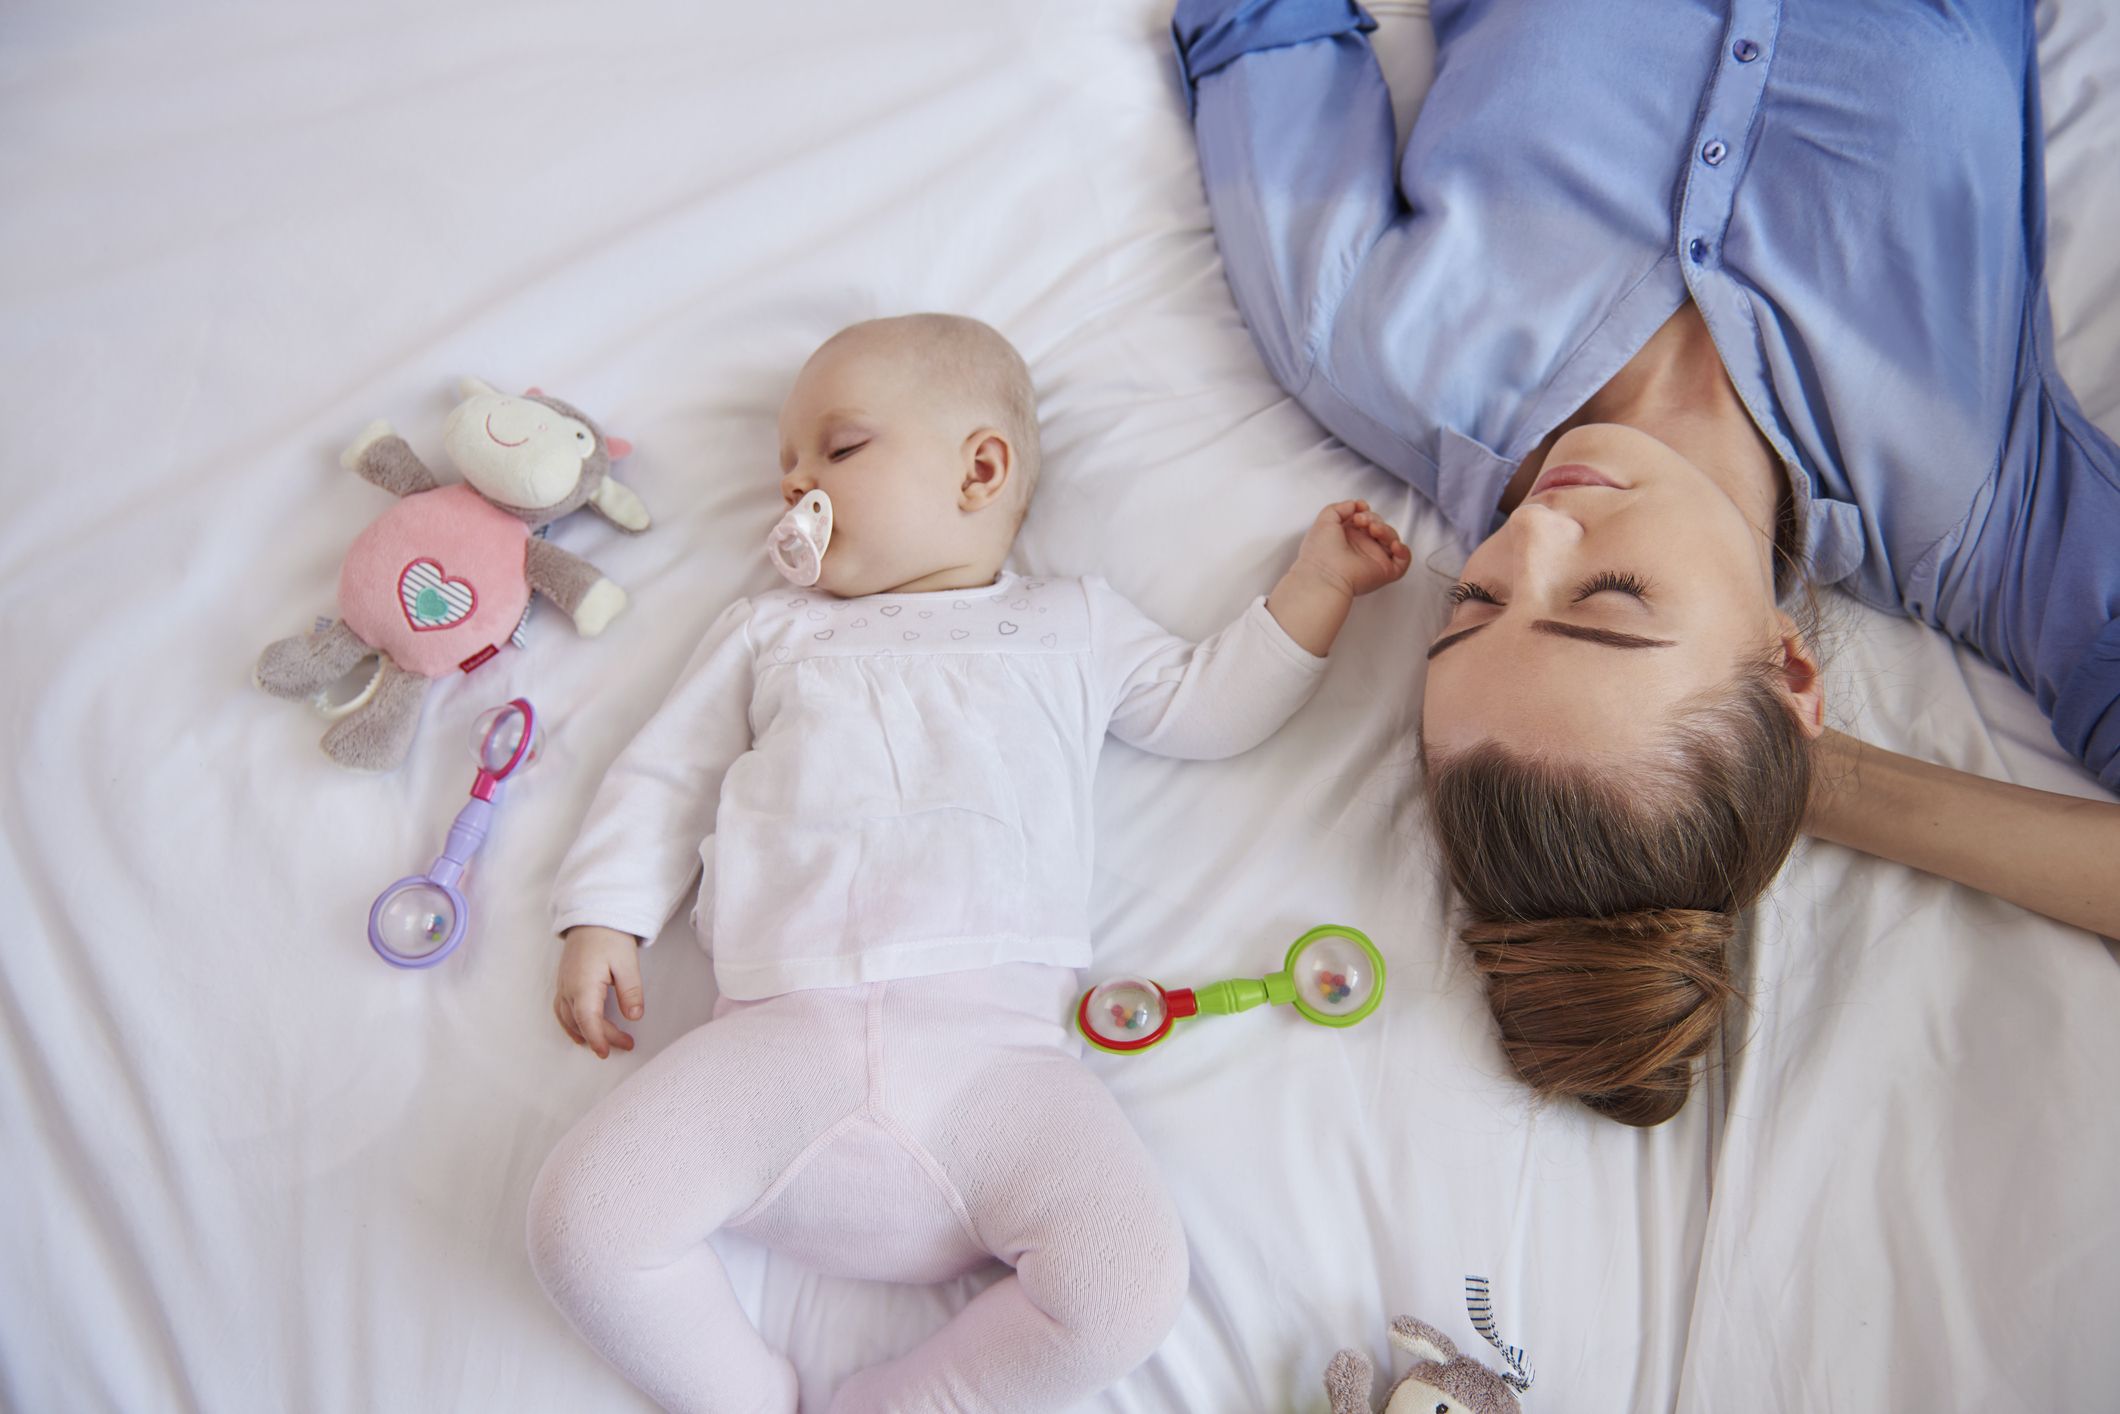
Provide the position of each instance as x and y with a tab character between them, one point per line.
798	541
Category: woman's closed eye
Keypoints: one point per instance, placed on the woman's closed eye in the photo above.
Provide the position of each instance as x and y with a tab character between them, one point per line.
1466	589
1615	581
1618	581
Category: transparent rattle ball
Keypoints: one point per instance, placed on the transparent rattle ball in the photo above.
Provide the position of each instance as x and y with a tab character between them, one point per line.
416	921
497	734
1334	976
1125	1009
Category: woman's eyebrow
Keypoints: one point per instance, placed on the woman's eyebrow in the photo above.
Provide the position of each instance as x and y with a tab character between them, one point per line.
1610	638
1441	643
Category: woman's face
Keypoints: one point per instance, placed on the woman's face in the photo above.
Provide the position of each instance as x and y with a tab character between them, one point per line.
1626	581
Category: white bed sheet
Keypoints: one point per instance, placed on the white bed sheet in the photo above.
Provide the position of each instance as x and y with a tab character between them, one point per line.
247	1167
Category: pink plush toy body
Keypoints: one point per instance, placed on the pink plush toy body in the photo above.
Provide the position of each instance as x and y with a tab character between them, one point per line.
440	581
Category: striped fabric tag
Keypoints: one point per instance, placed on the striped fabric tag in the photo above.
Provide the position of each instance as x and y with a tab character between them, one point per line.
1480	1305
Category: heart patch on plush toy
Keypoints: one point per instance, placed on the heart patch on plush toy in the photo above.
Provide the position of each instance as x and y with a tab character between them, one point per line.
433	600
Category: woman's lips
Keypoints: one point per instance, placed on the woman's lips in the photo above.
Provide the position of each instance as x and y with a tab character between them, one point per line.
1571	474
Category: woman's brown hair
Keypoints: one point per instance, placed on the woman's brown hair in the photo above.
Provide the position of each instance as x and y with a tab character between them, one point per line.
1602	899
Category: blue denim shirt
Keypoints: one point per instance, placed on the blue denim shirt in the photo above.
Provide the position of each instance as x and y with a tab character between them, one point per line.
1850	191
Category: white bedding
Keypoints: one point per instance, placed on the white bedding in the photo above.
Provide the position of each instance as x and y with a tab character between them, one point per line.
244	1166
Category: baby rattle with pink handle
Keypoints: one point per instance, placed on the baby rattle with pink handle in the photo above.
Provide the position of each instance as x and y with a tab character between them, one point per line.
1333	976
420	919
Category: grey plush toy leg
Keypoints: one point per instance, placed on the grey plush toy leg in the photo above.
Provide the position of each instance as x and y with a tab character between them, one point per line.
303	666
377	735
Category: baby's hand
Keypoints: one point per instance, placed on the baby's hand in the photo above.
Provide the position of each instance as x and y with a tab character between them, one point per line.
596	960
1349	545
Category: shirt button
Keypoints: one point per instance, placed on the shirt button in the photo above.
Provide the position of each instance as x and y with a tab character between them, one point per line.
1745	50
1698	249
1714	152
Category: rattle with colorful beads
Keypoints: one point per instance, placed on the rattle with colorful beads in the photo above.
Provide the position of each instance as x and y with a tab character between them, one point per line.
1333	976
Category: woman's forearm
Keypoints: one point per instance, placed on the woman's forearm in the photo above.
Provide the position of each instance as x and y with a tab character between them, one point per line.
1294	130
2053	854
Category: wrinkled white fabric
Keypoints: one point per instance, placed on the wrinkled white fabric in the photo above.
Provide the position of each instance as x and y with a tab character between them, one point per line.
246	1167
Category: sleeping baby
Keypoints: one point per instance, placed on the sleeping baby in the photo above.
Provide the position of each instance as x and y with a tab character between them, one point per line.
885	771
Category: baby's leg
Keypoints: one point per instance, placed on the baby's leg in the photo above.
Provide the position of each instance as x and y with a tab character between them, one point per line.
1057	1185
620	1216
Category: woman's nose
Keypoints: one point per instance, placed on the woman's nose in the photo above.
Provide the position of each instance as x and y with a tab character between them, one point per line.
1544	539
1543	526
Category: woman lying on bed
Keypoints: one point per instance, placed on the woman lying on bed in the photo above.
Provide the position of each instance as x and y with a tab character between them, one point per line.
1682	313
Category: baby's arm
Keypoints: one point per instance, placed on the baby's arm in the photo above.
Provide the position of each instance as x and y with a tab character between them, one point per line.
639	846
1232	691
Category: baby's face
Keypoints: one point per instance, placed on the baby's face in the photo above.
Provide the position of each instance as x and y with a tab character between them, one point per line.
893	458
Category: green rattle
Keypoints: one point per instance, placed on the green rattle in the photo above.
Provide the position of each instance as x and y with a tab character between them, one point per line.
1332	975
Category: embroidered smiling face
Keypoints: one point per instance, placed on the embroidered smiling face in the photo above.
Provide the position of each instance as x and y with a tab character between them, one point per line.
518	452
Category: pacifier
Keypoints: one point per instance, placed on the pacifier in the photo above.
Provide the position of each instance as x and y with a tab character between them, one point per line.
799	539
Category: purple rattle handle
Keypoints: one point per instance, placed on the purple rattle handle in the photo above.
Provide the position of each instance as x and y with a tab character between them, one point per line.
466	834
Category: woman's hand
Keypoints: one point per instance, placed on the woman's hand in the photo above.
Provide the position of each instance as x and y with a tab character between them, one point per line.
2053	854
597	960
1350	546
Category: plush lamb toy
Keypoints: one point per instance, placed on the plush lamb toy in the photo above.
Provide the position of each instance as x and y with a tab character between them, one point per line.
443	578
1440	1381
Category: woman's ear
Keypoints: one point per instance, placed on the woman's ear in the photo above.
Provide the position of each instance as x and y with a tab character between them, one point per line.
1802	685
989	461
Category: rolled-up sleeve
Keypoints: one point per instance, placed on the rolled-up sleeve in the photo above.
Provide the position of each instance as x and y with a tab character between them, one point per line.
1296	144
2087	712
1209	33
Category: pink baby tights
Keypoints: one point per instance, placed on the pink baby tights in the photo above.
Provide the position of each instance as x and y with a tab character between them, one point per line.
898	1131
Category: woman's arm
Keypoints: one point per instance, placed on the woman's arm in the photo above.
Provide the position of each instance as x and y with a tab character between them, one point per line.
1297	154
2053	854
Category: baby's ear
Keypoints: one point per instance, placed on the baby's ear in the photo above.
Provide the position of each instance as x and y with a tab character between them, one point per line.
989	462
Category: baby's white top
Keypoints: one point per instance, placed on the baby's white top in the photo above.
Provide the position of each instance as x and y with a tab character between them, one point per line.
900	785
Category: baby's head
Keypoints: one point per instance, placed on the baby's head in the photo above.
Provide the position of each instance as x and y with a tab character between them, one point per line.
923	431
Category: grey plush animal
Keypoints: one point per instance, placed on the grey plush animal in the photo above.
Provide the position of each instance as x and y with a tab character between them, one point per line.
443	578
1440	1381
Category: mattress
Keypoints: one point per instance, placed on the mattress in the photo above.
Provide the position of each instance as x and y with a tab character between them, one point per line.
248	1167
